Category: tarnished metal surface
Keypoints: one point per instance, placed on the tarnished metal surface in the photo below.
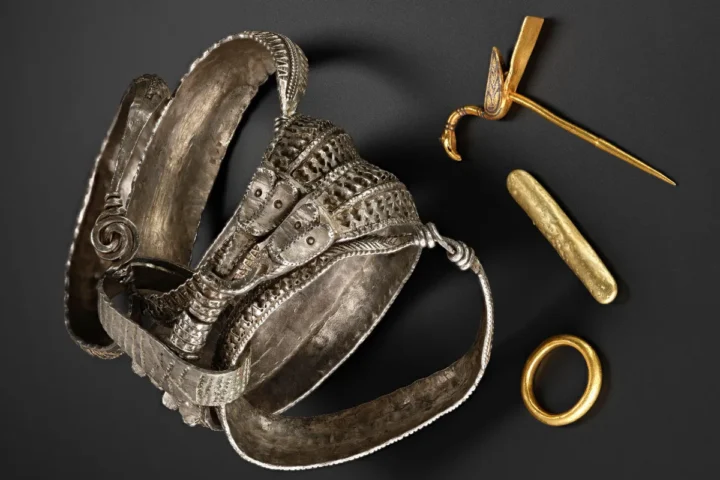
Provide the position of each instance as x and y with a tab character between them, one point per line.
114	168
319	247
186	382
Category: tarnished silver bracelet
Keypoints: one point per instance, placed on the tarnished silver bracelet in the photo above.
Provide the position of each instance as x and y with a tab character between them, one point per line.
258	324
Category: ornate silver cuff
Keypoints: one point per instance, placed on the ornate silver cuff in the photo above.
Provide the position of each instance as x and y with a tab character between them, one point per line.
318	249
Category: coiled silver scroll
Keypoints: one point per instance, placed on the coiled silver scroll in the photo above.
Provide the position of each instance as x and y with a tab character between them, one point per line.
316	252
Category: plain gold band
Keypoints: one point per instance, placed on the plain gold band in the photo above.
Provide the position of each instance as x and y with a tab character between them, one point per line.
592	390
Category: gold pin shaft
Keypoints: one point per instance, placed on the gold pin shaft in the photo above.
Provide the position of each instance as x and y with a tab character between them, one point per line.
562	234
600	143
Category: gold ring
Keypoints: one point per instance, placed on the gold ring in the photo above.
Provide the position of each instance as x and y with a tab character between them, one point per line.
592	390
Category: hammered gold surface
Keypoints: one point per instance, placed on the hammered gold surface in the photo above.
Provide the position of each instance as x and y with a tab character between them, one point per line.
562	234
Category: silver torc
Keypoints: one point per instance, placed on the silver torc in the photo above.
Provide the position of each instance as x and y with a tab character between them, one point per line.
314	255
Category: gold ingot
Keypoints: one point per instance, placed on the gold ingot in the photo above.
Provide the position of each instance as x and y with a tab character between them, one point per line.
592	390
501	93
562	234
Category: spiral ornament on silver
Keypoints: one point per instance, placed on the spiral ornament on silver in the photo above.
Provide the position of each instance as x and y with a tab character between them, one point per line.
114	236
318	249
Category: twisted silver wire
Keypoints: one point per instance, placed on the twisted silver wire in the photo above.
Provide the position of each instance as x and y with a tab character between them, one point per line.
457	252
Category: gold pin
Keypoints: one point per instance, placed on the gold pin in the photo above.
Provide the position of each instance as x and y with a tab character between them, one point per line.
501	92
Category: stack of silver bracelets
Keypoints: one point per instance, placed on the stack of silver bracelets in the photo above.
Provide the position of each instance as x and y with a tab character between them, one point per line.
316	252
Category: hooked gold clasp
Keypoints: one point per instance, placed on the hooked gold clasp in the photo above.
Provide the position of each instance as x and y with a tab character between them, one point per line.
501	92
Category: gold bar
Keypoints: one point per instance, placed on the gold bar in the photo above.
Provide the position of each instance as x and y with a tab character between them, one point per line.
562	234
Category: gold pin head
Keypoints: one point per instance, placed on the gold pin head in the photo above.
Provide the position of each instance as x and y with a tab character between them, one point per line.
501	93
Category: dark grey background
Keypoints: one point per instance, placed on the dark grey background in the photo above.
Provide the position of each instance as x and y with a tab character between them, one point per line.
642	74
